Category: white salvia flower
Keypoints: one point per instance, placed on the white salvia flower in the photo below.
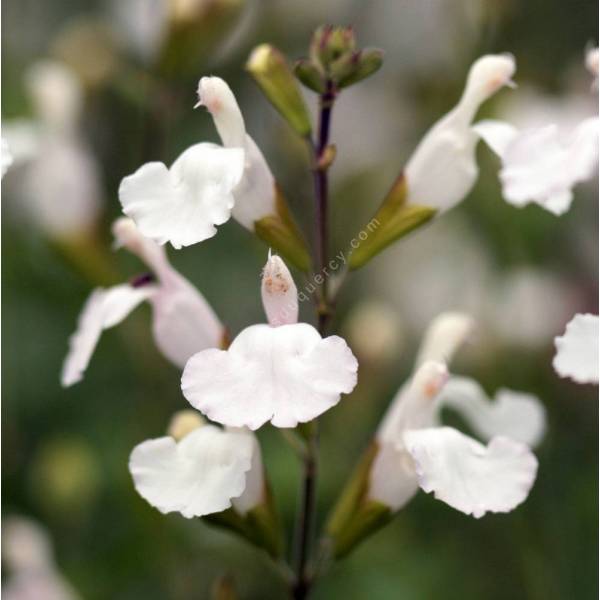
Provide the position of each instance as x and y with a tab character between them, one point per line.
414	450
443	168
27	552
6	158
542	165
198	475
183	204
184	422
286	375
183	322
279	293
255	196
577	350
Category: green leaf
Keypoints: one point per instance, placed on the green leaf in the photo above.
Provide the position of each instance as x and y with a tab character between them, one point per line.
394	219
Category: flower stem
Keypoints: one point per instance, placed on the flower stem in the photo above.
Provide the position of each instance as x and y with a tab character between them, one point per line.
306	518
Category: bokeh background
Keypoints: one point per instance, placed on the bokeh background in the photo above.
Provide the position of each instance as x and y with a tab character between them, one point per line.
522	273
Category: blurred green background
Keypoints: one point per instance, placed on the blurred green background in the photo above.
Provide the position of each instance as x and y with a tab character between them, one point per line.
522	273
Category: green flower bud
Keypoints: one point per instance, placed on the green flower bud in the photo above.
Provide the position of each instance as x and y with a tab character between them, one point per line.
363	64
329	43
310	75
271	72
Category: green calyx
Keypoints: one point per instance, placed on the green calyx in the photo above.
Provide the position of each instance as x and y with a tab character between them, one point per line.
354	516
394	219
280	232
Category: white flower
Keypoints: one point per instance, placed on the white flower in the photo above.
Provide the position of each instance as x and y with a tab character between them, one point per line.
198	475
443	168
577	350
27	552
206	184
183	322
286	375
60	186
183	204
542	165
255	196
414	450
279	293
6	158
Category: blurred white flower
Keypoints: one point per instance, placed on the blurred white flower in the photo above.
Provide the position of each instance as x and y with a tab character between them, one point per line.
540	165
286	375
59	184
577	352
374	331
142	25
552	148
591	63
414	450
6	158
443	168
279	293
183	322
27	552
197	475
527	307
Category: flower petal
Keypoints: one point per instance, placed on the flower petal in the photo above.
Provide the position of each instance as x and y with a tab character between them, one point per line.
444	335
285	375
279	293
197	476
183	204
254	492
183	322
538	166
577	350
469	476
393	479
519	416
103	309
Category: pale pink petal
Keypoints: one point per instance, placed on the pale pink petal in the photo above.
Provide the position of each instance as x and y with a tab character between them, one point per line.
285	375
279	293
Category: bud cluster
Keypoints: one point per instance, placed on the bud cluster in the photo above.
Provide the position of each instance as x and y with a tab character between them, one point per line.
335	58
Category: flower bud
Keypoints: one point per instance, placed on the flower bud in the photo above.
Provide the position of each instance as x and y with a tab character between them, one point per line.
184	422
268	67
329	43
279	293
360	65
310	75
